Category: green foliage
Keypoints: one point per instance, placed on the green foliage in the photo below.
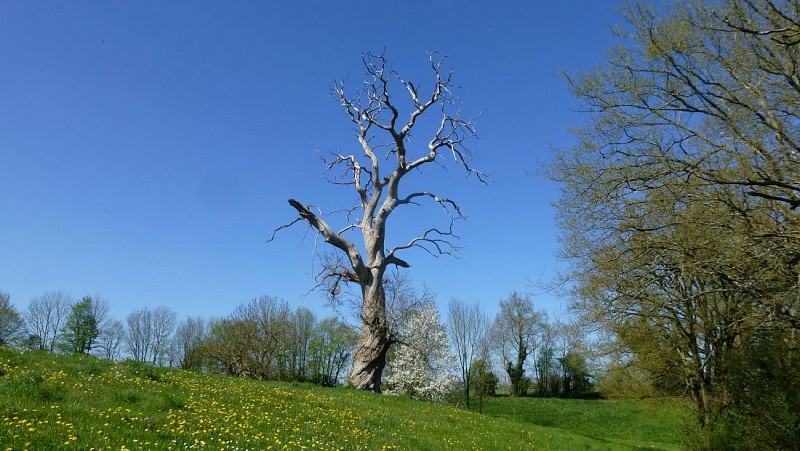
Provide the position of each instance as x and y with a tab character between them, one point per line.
519	383
81	328
765	411
106	405
547	382
625	381
332	343
11	324
576	379
679	209
264	340
484	380
253	341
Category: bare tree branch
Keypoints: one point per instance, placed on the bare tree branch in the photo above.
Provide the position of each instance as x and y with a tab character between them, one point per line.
384	123
430	239
285	226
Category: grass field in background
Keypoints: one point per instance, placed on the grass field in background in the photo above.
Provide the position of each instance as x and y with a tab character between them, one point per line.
648	423
74	402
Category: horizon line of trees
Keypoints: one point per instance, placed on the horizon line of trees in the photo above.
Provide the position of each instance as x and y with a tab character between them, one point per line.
261	339
433	358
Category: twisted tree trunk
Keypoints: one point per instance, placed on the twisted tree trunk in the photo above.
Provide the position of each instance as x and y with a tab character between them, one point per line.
373	341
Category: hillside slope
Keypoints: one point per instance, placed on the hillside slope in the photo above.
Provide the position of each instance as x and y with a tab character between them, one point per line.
73	402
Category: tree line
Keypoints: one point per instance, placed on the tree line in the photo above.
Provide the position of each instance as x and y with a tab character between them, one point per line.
435	357
261	339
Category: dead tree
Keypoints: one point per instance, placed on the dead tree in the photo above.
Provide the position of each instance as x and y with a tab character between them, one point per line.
375	173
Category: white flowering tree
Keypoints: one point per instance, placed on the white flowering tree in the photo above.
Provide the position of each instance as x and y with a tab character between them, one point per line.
421	366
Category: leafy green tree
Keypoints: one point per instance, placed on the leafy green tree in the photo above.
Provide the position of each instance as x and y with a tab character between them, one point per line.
764	412
81	328
484	381
545	367
227	348
11	323
265	324
679	204
32	342
329	351
300	334
575	375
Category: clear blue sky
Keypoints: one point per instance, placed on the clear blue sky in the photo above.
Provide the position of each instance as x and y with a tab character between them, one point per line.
147	149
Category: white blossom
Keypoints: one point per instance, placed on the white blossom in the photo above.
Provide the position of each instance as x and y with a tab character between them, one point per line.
421	367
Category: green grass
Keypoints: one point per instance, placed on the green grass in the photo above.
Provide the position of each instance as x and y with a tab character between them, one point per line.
649	423
67	402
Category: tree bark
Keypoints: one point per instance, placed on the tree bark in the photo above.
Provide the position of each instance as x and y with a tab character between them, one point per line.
373	341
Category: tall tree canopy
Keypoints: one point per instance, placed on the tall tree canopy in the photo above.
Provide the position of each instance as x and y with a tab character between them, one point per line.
384	112
680	204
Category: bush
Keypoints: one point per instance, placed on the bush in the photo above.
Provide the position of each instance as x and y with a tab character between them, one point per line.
763	410
484	381
625	382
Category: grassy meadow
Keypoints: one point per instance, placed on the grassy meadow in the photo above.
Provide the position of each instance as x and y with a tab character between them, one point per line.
648	423
74	402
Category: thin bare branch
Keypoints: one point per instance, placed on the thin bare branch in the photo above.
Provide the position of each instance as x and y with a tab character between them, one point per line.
285	226
448	205
433	241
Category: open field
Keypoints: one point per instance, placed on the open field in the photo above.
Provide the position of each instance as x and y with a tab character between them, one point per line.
653	424
68	402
